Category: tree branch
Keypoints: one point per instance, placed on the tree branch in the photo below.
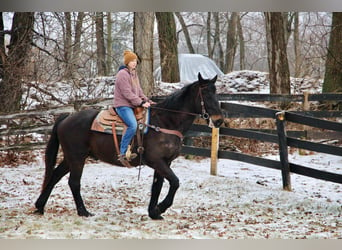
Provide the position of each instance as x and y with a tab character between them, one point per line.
46	93
48	53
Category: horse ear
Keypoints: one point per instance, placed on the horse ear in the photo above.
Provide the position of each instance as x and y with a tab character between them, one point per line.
214	79
200	79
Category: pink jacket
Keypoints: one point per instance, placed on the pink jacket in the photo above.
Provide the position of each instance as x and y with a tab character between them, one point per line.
127	90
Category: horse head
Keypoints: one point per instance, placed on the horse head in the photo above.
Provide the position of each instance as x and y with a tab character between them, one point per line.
209	105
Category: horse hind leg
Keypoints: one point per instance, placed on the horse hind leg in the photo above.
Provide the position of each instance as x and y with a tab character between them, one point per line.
75	186
61	170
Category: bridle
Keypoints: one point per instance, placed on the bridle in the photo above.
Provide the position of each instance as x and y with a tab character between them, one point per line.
203	115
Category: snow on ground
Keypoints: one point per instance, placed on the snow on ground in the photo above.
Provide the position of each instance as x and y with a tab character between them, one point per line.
244	201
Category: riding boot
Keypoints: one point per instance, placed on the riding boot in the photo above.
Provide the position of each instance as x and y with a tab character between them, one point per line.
129	155
124	161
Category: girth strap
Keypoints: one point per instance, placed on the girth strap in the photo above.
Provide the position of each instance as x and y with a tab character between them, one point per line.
116	144
166	131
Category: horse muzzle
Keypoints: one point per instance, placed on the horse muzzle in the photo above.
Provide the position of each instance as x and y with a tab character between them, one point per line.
217	120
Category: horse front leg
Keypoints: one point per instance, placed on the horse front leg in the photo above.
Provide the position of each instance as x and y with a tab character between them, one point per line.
155	210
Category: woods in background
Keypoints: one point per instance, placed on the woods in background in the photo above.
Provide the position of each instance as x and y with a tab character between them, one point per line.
44	47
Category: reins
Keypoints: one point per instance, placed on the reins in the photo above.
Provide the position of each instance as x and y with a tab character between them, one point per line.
174	111
204	114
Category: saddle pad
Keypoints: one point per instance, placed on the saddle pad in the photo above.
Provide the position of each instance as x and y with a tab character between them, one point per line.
105	118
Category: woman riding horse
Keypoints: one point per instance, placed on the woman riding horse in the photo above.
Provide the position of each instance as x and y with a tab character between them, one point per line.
169	121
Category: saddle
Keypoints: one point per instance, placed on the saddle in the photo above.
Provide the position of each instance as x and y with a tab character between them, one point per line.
105	120
108	121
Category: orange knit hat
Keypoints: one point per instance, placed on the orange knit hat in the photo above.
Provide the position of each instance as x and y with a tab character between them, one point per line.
129	56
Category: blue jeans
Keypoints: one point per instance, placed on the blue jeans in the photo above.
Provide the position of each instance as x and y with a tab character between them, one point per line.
128	117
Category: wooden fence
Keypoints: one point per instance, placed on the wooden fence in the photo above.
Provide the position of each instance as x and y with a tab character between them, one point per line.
278	136
40	122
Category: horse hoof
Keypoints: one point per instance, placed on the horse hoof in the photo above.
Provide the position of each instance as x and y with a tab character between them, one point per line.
155	216
85	214
155	213
158	217
39	212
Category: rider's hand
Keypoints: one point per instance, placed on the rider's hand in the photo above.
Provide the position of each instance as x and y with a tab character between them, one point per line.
146	105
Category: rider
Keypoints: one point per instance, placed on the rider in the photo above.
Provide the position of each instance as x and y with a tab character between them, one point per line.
128	95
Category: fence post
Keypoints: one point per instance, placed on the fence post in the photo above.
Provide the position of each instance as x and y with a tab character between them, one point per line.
306	106
283	153
215	135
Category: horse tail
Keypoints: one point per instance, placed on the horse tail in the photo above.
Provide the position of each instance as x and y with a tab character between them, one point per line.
51	150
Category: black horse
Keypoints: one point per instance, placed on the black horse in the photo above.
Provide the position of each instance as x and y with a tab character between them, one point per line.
174	116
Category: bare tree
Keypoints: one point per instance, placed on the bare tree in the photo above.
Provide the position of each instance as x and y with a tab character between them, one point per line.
109	44
217	40
14	62
68	46
242	44
288	18
296	45
278	64
168	47
77	42
100	51
2	46
186	32
231	42
143	46
333	68
209	49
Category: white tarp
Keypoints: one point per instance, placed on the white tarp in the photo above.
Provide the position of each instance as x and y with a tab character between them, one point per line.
190	65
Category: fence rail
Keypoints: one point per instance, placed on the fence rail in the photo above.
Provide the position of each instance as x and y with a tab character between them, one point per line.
281	138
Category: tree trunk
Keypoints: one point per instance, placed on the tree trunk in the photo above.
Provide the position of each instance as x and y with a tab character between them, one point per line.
217	41
67	46
77	43
72	49
242	45
288	18
210	52
279	68
109	44
186	33
296	45
143	47
231	42
2	46
168	47
333	65
100	50
268	41
15	62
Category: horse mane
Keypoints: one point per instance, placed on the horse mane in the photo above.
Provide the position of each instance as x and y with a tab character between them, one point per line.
175	100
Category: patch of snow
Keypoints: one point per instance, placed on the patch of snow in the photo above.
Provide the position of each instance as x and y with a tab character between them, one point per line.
243	201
